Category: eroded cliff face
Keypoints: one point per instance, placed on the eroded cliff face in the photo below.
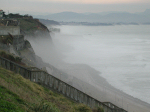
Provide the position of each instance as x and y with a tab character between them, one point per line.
32	30
14	38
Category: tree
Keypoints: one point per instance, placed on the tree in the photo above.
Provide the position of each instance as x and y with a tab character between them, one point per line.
4	15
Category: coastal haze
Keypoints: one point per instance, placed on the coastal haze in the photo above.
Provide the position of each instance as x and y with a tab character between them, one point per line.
102	49
119	54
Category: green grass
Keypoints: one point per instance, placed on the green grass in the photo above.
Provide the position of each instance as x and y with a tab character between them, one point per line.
8	101
11	57
29	26
18	94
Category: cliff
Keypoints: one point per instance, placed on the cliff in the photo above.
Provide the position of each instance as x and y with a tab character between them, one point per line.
14	32
33	28
19	94
49	22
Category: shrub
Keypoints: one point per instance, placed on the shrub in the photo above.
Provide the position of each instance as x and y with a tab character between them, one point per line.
18	59
27	43
99	109
10	57
83	108
44	107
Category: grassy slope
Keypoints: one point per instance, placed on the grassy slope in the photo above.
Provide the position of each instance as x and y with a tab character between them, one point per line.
29	26
19	95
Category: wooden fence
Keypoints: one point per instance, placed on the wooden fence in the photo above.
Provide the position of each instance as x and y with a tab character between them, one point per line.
36	75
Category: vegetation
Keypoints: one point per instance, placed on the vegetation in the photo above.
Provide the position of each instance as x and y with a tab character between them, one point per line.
49	22
99	109
27	44
17	15
30	26
27	24
11	57
18	94
6	39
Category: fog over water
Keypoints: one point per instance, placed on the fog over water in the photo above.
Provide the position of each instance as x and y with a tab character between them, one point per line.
120	53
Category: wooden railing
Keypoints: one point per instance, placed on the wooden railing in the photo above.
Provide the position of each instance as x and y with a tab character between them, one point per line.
36	75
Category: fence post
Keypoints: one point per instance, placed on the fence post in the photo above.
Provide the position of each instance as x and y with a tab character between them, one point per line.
0	61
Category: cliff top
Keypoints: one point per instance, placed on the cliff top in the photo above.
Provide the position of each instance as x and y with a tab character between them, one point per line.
27	23
31	25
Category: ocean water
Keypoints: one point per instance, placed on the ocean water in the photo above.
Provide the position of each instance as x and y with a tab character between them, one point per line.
120	53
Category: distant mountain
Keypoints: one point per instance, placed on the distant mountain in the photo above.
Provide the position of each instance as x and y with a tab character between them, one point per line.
104	17
147	12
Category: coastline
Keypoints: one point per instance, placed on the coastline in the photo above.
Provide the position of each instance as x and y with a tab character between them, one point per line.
85	74
87	79
101	89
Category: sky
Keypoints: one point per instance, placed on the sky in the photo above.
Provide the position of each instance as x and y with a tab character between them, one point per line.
43	7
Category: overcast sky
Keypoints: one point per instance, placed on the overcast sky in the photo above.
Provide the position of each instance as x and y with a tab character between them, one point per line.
43	7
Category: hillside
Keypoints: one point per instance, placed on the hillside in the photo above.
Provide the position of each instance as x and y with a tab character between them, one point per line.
20	95
28	25
31	26
49	22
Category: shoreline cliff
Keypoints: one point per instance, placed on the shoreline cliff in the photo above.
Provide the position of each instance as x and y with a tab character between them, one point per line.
33	30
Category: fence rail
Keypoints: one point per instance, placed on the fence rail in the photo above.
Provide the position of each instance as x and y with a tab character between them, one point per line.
36	75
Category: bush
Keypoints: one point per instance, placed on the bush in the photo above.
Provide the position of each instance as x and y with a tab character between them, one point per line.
18	59
83	108
27	43
99	109
10	57
44	107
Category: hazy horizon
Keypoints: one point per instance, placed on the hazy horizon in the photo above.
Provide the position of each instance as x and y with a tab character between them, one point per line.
43	7
119	53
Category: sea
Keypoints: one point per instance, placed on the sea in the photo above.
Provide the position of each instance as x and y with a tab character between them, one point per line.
121	54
